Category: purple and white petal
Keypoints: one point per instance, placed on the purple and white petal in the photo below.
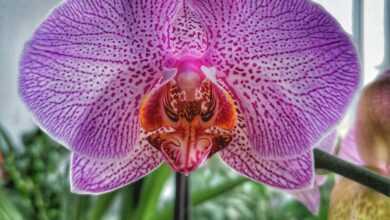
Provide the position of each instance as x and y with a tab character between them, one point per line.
290	65
88	65
97	176
187	35
288	174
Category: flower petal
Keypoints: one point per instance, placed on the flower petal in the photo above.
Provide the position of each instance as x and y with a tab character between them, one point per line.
310	198
85	70
187	34
348	149
328	143
96	176
292	173
289	64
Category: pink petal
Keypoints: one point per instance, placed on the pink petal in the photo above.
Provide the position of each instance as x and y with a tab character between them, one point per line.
290	65
88	65
292	173
348	150
320	180
96	176
310	198
328	143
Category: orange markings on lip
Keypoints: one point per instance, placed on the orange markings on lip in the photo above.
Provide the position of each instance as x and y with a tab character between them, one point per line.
201	120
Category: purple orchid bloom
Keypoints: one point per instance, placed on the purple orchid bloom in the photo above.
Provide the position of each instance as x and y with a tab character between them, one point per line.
127	85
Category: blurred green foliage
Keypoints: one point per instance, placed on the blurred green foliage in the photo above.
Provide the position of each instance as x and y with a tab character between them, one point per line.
250	200
35	186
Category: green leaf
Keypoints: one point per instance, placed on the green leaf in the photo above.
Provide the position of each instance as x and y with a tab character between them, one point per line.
81	205
213	192
127	203
204	195
101	206
7	209
151	193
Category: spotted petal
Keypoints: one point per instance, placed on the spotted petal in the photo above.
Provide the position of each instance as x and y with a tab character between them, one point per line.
289	64
96	176
85	70
292	173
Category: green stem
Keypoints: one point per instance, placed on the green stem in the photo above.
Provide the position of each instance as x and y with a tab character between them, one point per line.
358	174
182	197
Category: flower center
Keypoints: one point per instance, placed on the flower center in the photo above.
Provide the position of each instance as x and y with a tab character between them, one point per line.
188	119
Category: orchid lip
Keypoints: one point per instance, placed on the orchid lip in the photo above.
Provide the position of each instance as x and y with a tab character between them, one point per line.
200	114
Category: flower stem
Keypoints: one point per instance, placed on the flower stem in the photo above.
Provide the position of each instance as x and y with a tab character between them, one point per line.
358	174
182	197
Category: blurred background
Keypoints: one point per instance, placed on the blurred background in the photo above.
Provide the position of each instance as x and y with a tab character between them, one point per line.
33	175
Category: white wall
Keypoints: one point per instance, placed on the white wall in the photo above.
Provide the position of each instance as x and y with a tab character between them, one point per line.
18	18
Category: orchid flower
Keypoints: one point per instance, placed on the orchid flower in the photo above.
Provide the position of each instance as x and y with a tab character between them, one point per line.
128	85
366	144
311	197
